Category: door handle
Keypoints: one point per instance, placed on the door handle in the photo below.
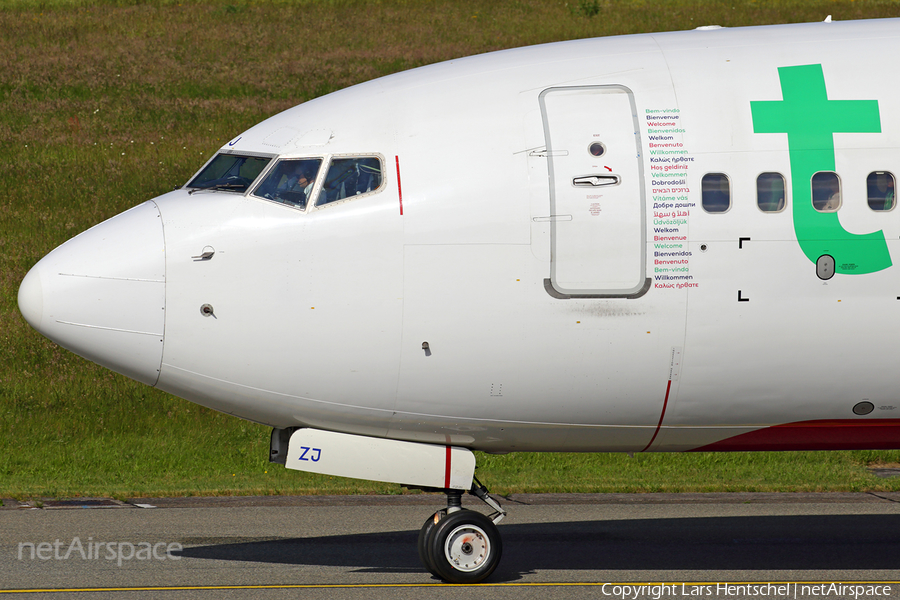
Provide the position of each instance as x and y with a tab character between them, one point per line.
595	180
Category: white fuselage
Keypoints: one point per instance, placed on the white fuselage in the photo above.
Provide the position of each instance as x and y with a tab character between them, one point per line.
479	246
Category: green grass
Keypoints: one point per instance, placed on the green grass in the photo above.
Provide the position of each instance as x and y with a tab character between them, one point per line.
106	104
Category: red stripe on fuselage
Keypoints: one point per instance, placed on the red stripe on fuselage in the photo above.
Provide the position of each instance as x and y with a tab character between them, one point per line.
399	189
826	434
447	470
661	416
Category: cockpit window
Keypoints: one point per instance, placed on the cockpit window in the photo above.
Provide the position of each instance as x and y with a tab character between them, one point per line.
291	182
230	173
349	177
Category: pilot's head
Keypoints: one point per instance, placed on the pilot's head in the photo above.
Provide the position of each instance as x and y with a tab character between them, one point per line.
307	176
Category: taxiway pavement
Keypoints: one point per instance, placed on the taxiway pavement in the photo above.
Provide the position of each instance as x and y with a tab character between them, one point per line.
365	546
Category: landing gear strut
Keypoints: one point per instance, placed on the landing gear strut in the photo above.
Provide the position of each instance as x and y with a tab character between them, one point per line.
460	545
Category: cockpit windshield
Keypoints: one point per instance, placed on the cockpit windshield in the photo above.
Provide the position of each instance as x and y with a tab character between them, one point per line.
230	173
291	182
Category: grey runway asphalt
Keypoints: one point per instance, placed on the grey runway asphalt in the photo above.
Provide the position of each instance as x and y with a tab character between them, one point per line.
365	547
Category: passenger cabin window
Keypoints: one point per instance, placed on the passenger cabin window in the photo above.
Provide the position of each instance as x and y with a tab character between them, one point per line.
350	177
880	186
230	173
770	192
291	182
716	192
826	191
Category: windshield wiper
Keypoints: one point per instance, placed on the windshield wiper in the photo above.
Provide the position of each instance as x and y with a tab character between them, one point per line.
220	187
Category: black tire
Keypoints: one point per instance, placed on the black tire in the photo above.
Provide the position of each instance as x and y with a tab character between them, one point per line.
424	540
465	547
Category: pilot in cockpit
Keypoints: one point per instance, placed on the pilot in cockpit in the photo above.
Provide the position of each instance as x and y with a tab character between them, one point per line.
291	182
300	180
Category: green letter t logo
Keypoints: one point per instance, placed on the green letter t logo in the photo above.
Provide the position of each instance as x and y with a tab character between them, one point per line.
810	119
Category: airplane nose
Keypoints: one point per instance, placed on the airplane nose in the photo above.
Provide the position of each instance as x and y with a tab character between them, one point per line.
102	294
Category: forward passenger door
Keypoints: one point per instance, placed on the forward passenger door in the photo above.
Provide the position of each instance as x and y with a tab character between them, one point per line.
596	191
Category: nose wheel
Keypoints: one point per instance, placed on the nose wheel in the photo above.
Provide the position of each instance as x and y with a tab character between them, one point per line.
459	545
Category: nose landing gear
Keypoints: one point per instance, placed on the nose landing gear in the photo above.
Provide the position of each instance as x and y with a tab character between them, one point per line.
460	545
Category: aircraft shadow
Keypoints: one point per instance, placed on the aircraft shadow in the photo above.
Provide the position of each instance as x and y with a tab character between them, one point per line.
820	542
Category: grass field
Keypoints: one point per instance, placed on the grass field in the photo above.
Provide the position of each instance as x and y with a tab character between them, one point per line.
106	104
